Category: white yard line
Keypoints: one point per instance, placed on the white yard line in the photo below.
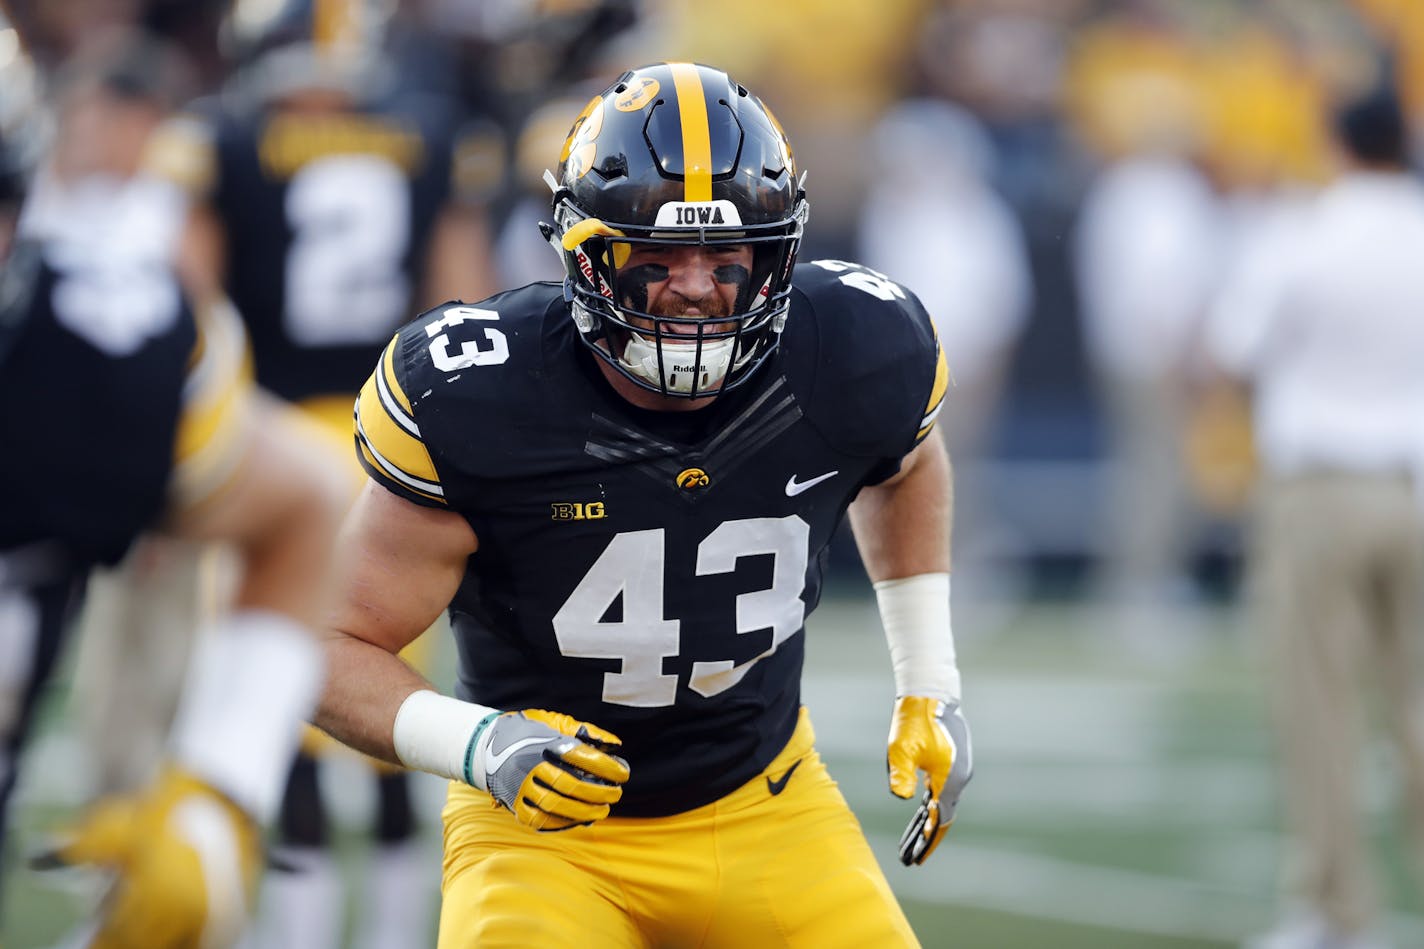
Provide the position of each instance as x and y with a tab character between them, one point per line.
1047	888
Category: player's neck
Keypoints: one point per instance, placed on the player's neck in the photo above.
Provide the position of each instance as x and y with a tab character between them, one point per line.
642	398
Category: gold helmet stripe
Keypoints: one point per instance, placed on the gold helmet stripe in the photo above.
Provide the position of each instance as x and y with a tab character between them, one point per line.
696	134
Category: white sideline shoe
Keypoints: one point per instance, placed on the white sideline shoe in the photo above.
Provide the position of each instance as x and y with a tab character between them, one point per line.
1309	930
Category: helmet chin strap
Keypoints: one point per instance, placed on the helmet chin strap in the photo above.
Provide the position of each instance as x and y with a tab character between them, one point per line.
677	372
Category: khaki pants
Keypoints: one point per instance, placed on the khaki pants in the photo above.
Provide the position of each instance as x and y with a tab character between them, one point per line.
1338	576
1151	517
137	630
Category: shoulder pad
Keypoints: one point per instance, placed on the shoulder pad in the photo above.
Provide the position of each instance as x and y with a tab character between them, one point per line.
389	443
880	376
448	374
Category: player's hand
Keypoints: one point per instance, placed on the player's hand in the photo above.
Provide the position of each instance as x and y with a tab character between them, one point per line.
930	736
186	861
552	771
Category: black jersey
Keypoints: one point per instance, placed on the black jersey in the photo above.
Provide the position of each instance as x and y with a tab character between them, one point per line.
649	572
93	359
327	218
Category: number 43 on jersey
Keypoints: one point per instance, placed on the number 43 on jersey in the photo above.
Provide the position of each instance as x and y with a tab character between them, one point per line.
633	566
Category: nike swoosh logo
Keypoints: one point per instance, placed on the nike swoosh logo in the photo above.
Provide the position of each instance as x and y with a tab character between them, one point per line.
794	487
495	761
779	785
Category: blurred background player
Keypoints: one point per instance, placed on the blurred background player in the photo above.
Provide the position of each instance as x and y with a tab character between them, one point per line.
142	612
936	221
133	410
1326	330
332	204
1146	260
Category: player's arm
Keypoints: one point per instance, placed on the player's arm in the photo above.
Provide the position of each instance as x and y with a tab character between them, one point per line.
460	263
902	527
404	562
405	552
201	253
400	564
184	152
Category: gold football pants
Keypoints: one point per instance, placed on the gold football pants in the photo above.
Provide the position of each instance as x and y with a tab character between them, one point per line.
752	869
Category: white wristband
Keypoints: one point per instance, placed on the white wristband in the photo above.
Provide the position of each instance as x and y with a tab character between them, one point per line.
253	682
915	614
438	734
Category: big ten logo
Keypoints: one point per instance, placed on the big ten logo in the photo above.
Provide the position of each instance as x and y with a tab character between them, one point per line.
575	511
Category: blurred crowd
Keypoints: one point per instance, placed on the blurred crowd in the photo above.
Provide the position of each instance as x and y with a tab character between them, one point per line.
1084	193
1067	184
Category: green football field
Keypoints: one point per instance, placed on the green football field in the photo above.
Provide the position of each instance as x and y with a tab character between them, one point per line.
1124	795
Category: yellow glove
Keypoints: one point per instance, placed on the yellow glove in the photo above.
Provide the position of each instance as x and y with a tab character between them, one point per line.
186	860
551	770
930	736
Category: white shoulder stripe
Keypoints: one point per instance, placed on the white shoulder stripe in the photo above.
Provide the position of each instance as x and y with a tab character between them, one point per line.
392	406
928	419
410	481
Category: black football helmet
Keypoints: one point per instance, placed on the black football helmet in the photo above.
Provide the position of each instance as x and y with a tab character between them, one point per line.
676	153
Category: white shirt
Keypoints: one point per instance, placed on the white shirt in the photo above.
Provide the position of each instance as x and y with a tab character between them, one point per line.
1325	313
1146	255
932	222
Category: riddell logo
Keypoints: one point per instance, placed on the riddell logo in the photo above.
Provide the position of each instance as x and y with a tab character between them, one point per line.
585	267
690	479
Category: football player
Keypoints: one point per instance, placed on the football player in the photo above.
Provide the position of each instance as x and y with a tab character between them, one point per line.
130	408
622	488
330	210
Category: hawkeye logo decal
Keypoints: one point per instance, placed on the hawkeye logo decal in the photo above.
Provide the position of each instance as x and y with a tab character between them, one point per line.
581	148
690	479
638	95
574	511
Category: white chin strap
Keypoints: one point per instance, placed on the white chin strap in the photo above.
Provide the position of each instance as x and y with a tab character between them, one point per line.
640	357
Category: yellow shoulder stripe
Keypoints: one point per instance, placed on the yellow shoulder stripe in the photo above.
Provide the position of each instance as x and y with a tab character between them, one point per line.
388	367
375	464
937	391
211	433
390	440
